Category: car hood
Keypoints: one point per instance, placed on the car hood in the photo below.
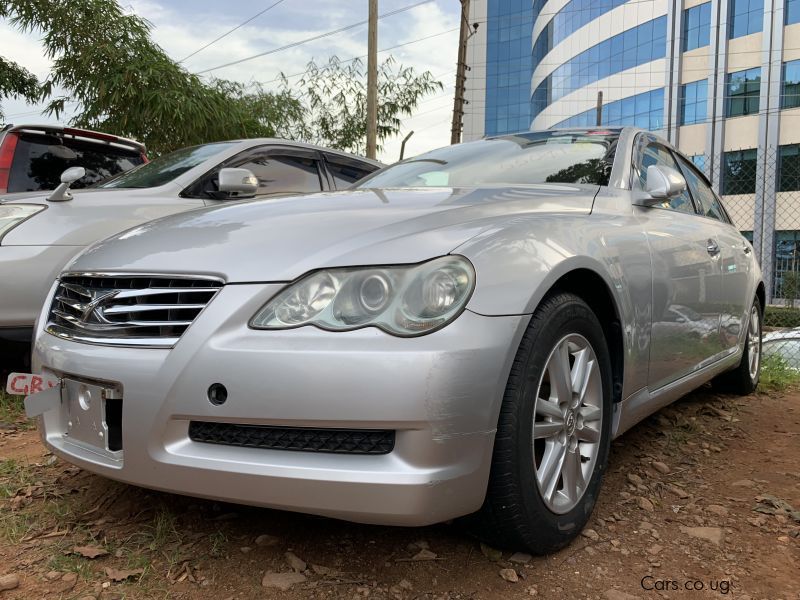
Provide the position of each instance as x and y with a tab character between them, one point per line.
40	197
279	240
34	197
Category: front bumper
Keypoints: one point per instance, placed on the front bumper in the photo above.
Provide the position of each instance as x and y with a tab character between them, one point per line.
441	393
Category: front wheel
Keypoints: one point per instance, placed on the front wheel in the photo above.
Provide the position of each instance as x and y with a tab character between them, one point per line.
744	378
553	433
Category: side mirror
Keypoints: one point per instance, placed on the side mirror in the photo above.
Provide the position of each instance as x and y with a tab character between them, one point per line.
71	175
663	183
237	183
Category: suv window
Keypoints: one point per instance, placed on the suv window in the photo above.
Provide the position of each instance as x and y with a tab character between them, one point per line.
657	154
279	173
40	159
346	171
710	205
167	167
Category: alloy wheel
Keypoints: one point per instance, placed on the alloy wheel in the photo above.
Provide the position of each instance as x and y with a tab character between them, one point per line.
567	423
754	342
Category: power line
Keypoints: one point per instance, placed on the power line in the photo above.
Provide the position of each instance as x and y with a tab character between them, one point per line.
349	60
427	37
314	38
227	33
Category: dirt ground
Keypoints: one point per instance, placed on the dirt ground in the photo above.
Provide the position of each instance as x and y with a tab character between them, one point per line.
698	503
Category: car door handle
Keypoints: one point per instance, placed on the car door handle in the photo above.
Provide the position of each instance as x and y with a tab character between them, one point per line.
712	247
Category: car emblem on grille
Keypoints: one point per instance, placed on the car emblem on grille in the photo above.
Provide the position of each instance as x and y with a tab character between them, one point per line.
93	311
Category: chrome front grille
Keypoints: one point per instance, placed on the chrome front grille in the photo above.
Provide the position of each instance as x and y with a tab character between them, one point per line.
128	310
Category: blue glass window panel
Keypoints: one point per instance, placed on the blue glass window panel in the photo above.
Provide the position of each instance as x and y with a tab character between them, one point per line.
790	85
642	103
739	172
614	112
508	65
584	69
699	161
792	10
743	91
788	178
745	17
571	17
696	26
693	102
644	110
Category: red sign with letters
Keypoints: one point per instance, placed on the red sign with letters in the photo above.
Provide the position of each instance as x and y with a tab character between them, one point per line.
27	384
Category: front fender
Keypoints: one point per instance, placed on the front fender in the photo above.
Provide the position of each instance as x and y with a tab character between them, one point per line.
518	263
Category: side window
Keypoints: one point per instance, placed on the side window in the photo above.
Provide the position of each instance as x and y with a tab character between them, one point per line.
704	196
281	174
656	154
346	172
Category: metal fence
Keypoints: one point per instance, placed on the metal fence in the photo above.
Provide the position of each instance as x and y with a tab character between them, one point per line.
761	191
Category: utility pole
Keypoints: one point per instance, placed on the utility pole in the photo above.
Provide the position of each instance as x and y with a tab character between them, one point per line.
372	80
461	77
599	114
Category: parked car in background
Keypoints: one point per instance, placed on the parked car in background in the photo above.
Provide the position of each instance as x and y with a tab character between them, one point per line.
784	344
33	157
463	331
40	233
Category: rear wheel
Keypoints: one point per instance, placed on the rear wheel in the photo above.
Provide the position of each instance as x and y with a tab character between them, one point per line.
553	433
744	378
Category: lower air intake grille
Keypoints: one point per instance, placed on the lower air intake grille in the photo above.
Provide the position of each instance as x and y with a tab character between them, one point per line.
304	439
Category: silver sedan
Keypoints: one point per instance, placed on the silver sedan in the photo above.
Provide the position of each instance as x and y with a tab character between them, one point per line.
461	334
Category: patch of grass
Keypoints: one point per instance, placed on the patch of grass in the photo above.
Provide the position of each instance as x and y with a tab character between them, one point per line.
162	532
679	434
13	476
71	563
15	525
218	542
12	410
60	512
777	375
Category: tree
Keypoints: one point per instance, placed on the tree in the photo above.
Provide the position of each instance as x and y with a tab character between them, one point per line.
124	83
17	82
335	96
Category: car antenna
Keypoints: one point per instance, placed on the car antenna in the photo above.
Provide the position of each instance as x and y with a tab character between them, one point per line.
62	193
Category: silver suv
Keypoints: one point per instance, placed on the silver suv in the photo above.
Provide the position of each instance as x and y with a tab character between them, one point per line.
41	232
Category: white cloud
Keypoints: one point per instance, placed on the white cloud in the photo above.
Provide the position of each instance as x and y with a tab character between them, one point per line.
181	32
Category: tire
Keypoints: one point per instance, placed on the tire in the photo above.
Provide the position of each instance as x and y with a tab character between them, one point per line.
526	506
743	380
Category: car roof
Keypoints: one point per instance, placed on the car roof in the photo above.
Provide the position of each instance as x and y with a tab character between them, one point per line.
252	142
88	135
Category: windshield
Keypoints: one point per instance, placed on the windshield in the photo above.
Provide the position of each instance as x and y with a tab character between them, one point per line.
166	168
512	160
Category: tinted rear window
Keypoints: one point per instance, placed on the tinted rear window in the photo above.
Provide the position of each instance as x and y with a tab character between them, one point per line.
39	161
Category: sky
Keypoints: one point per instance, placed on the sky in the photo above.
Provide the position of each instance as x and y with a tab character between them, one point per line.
183	26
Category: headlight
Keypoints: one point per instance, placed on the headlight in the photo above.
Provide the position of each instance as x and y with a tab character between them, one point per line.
12	215
403	300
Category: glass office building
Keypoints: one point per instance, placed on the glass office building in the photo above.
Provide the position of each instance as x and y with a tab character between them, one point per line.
720	79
